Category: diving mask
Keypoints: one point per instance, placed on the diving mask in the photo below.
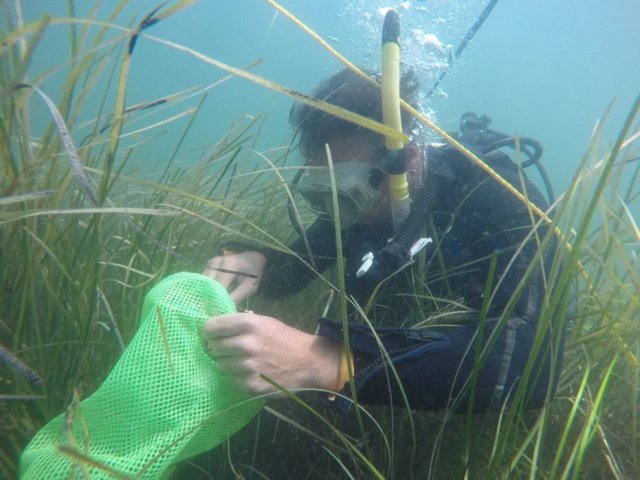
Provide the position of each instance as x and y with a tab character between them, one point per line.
358	186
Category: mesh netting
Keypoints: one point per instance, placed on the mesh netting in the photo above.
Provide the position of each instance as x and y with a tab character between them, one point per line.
164	401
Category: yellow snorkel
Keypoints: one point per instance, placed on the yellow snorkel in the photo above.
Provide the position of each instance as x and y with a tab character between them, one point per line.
406	243
395	161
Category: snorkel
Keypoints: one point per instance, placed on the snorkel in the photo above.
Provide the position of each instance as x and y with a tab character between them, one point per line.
407	222
408	218
395	161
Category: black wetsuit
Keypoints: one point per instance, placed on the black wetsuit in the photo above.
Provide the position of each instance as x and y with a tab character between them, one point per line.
474	221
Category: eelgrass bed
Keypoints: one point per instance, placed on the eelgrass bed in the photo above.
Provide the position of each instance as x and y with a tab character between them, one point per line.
83	237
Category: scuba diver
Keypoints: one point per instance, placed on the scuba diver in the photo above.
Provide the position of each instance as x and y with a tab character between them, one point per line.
431	315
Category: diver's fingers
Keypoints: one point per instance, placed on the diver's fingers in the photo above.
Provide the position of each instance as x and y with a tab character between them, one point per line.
246	288
218	270
244	268
228	325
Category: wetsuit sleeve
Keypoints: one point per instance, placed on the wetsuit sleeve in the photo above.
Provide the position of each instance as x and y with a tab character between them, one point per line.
289	273
431	369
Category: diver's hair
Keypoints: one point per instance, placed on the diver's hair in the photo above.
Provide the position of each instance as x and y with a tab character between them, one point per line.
348	90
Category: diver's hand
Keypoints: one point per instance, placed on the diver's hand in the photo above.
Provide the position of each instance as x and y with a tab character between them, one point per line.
244	270
246	345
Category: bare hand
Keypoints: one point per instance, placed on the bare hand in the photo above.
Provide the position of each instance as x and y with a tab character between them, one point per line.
244	270
247	345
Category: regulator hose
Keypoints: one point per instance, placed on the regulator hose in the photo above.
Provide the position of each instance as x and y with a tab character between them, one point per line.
397	253
411	228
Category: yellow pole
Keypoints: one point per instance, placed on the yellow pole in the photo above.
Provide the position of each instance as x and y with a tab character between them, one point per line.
390	86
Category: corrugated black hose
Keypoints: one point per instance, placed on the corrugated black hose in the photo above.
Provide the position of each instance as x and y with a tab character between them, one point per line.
396	254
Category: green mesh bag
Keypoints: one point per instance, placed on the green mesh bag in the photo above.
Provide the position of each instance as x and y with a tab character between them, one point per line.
164	401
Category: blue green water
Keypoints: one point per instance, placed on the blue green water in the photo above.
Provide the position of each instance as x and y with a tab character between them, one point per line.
545	69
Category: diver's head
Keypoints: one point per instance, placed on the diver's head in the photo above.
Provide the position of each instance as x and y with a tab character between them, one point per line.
348	90
356	152
359	178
